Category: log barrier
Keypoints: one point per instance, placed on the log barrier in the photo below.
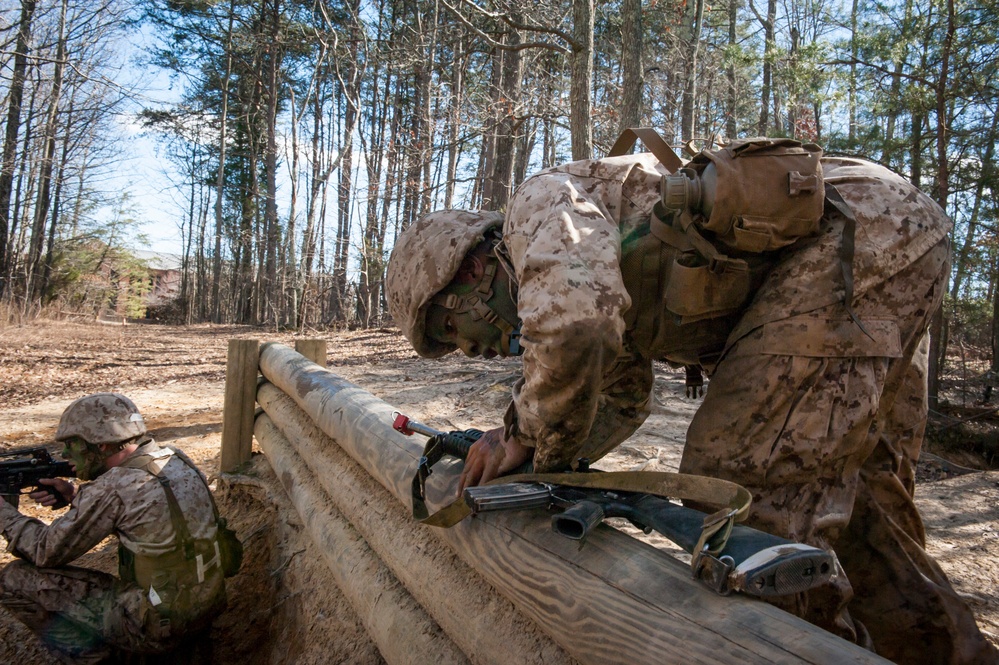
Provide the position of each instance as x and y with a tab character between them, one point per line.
614	600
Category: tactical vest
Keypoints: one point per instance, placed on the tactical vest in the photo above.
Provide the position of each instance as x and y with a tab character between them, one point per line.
649	267
185	585
722	222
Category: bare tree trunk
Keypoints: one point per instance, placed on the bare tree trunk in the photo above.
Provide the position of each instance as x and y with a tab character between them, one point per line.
687	128
458	66
56	198
938	326
220	176
272	230
44	199
890	156
766	91
426	144
581	79
852	90
15	97
487	171
732	98
525	146
633	80
506	133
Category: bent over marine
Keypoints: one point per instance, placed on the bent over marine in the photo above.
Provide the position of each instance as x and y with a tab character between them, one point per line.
811	320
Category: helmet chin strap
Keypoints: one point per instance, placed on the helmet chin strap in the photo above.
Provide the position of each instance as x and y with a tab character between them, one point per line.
475	303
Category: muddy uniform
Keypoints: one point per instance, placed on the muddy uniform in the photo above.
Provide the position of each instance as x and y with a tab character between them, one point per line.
157	597
821	421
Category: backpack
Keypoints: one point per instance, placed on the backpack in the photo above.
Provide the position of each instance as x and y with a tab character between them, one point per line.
728	212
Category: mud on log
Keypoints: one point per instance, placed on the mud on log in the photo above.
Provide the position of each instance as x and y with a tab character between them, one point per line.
615	600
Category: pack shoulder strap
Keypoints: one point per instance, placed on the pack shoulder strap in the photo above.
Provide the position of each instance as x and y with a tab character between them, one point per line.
180	524
846	250
655	143
177	517
153	464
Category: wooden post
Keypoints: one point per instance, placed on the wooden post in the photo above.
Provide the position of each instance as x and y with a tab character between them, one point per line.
313	349
238	408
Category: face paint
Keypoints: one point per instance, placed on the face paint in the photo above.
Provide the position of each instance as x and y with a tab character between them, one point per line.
474	336
463	321
88	461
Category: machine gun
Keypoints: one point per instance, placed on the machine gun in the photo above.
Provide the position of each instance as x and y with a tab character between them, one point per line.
726	557
24	467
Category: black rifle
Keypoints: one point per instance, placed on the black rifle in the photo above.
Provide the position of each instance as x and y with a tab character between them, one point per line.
24	467
751	561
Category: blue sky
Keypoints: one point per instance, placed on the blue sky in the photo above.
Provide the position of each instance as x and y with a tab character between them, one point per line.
142	170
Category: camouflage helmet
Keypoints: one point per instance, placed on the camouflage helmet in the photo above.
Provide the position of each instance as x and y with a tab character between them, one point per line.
101	418
425	259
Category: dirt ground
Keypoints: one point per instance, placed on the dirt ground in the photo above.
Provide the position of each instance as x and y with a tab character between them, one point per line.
283	609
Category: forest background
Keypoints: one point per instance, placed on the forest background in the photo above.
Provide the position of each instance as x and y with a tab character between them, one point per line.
308	134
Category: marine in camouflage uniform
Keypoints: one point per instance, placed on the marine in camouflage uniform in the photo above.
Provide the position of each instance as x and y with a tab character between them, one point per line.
157	600
820	420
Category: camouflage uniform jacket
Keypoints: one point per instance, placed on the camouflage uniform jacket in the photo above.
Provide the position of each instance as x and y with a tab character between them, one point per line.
126	502
586	384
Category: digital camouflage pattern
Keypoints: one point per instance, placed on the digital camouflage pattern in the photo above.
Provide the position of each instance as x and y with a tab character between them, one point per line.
426	257
585	387
819	419
101	418
50	597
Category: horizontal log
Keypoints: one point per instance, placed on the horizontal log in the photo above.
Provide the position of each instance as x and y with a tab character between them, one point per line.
485	626
614	600
396	623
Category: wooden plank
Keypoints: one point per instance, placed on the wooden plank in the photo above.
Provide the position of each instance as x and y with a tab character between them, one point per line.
238	406
485	626
397	624
614	600
313	349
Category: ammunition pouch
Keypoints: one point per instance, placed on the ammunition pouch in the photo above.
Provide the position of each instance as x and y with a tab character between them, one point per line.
726	216
184	594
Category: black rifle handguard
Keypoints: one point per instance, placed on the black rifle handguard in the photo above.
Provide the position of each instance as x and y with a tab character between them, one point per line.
25	467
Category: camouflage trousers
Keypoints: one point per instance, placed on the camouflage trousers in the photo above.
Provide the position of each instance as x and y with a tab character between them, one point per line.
81	614
823	425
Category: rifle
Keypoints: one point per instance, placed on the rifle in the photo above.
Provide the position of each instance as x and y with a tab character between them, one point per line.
725	557
24	467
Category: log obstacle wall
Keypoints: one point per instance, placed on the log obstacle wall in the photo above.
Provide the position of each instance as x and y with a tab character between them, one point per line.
614	600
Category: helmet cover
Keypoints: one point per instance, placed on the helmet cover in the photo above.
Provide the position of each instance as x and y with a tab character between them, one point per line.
101	418
425	259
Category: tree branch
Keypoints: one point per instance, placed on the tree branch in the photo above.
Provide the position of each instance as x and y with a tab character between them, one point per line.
513	24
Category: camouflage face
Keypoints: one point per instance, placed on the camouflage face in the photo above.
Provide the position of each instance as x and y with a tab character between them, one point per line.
88	461
425	259
465	326
475	337
101	418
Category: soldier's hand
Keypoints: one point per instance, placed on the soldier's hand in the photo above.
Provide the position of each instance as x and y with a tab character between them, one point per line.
491	456
59	486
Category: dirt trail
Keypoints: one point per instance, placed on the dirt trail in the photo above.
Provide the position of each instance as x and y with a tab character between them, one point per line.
176	377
